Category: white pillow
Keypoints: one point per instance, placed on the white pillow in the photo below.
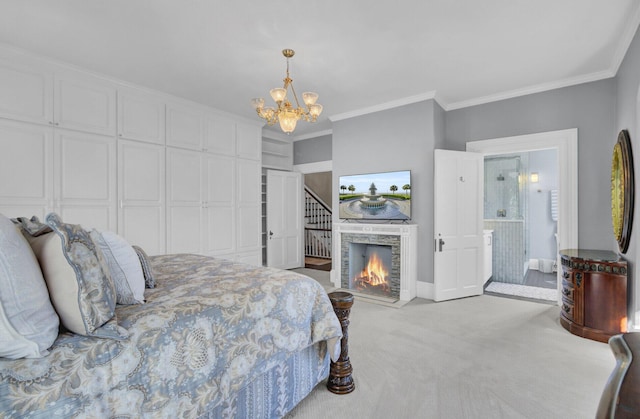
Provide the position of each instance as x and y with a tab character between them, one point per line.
123	265
82	294
28	323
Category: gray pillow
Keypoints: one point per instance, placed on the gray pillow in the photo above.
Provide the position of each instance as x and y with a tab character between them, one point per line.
149	280
28	323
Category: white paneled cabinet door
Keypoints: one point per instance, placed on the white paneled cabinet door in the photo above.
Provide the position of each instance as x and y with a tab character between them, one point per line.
84	103
184	203
184	127
141	195
141	116
220	135
26	93
26	170
249	219
85	179
219	204
249	141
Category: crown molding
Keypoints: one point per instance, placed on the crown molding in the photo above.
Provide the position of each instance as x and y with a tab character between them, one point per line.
606	74
625	40
384	106
313	135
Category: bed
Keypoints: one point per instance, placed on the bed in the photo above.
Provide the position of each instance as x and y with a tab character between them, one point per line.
213	339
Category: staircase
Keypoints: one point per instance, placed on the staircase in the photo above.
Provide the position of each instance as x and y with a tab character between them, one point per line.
317	231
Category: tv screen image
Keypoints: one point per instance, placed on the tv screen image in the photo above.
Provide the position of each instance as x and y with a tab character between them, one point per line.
376	196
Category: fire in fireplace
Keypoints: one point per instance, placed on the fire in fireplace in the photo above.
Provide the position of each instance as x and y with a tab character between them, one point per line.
369	267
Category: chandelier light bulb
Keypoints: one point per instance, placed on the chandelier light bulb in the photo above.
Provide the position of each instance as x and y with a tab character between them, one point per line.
288	120
278	94
309	98
315	110
257	103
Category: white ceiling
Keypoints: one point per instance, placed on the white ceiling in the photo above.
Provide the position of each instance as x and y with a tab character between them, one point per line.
358	55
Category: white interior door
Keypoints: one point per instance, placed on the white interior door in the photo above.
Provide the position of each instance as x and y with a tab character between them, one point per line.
284	220
458	259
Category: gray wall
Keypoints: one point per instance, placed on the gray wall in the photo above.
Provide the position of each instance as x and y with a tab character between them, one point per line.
320	184
628	82
541	226
590	107
396	139
312	150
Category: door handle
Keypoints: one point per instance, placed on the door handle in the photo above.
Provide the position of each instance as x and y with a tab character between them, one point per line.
440	244
270	234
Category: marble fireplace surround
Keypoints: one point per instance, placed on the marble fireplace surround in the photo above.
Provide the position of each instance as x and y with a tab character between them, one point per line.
408	252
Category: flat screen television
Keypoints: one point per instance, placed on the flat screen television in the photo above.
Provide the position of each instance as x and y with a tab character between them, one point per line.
376	196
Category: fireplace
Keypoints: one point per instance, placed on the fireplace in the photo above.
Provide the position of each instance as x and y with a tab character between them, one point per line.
370	270
376	259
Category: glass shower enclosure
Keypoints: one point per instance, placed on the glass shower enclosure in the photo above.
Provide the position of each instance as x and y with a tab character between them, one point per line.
505	212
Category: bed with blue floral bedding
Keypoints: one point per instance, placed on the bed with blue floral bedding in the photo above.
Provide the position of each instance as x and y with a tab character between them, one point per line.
214	339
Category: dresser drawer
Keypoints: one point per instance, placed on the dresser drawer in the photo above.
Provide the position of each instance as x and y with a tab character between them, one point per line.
568	291
566	309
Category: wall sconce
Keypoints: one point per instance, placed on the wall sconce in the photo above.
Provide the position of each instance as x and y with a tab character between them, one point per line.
534	177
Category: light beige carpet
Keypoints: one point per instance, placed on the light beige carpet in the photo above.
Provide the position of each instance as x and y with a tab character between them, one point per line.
479	357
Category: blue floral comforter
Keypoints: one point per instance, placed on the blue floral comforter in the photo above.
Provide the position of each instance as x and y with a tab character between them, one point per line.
208	329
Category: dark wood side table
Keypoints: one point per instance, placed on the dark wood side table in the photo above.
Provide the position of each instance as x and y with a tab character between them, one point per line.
594	293
340	379
621	396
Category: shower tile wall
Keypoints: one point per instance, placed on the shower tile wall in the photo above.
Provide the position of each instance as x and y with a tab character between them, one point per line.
505	210
508	250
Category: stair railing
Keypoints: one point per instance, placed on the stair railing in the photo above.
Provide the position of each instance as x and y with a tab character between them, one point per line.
317	228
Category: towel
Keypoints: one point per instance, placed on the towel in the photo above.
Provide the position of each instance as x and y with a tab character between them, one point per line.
554	204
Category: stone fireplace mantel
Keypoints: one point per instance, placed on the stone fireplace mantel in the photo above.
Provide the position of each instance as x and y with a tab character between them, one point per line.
408	252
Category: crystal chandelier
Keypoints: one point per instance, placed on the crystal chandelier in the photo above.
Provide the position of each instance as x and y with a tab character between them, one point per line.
285	113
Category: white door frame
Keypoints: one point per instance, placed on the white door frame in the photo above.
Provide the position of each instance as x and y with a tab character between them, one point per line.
566	144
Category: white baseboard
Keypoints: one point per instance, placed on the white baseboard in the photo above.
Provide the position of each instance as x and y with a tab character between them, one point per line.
424	290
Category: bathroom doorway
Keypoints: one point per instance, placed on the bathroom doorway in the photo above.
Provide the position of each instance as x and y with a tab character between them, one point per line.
565	142
521	214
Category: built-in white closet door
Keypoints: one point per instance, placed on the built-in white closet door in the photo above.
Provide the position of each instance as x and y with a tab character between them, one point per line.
84	103
85	179
141	193
26	169
184	203
249	142
26	93
220	135
249	221
184	126
219	204
141	116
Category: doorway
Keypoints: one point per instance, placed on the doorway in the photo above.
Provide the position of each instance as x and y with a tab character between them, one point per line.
319	177
520	215
565	143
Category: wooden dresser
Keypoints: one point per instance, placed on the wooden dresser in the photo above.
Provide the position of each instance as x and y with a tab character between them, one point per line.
594	293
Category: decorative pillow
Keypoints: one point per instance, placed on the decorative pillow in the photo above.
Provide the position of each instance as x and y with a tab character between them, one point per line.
81	293
149	280
28	322
123	265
